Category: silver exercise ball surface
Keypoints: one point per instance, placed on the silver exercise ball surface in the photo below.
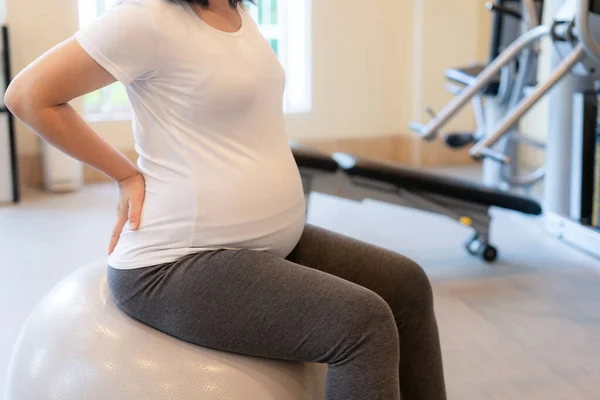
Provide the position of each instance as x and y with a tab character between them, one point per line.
78	345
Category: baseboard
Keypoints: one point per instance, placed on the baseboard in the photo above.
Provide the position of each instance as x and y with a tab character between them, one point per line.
402	149
31	172
583	237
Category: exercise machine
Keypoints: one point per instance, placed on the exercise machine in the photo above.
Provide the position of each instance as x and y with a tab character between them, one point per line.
351	177
497	96
572	190
573	154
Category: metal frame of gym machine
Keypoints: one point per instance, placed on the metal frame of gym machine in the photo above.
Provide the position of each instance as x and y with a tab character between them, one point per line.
506	86
573	114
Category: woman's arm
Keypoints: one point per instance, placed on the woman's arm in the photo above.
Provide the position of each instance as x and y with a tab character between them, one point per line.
39	97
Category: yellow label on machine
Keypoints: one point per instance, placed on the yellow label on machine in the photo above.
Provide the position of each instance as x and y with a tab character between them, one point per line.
466	221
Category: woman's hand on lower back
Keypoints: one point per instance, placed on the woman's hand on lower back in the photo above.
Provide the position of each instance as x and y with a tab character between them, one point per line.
132	192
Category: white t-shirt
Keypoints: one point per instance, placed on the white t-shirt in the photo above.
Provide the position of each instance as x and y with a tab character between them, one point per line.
209	130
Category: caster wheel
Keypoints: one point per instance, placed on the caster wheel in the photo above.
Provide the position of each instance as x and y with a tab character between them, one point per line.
473	248
489	253
477	248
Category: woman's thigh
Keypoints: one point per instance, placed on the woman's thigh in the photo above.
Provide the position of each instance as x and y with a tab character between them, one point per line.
257	304
400	281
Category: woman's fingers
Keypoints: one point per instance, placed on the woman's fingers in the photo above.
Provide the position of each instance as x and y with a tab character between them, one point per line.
132	196
121	220
135	210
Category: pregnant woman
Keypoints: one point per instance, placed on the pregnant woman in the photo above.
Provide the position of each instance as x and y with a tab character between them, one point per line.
211	244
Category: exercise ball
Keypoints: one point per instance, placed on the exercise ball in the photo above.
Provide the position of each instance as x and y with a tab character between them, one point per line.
77	344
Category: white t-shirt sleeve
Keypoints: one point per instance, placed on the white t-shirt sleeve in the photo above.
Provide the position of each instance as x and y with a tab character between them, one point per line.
124	41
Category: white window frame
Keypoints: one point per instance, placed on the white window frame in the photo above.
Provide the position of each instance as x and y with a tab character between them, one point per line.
293	31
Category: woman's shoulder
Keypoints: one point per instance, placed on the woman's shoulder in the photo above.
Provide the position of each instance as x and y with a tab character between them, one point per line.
155	7
162	13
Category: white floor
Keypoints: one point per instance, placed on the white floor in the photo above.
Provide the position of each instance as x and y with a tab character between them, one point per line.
526	328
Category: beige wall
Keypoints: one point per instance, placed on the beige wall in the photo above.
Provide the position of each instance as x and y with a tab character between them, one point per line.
35	26
361	70
375	67
373	78
446	34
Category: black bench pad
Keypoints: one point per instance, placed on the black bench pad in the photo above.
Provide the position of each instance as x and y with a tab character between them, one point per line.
409	178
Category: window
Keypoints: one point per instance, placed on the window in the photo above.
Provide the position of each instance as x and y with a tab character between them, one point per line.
284	23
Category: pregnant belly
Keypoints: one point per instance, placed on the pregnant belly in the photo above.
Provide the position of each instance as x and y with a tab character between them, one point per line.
258	205
260	210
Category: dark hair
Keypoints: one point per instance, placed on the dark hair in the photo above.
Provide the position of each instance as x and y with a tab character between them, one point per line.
204	3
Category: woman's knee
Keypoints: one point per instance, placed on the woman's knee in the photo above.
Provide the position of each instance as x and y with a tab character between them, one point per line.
366	314
412	286
366	336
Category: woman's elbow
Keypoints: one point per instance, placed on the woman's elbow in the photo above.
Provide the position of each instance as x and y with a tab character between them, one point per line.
15	99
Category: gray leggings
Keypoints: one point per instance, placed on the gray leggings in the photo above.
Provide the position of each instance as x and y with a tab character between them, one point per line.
333	300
